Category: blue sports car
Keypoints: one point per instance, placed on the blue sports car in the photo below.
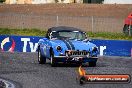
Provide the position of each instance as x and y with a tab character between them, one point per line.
66	45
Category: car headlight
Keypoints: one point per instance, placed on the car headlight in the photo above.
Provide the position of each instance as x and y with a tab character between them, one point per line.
58	48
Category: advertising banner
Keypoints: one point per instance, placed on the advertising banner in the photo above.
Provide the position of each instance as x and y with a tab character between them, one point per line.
12	43
114	47
19	43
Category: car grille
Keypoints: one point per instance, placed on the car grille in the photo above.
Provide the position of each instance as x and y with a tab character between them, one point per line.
77	53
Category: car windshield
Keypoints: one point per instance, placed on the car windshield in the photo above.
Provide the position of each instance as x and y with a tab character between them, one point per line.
69	34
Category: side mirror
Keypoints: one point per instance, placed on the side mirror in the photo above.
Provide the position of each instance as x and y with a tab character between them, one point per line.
89	40
86	40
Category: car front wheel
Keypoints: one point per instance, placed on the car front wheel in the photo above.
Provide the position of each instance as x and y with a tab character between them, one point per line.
41	59
52	60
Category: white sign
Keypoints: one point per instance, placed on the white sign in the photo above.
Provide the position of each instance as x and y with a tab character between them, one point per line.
26	41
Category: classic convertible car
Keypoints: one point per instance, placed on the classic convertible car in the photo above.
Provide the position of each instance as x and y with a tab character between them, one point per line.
66	45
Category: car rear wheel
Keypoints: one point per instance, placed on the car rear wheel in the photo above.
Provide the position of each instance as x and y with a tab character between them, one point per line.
92	64
41	59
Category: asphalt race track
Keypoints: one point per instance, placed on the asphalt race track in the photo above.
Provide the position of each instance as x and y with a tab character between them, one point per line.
23	70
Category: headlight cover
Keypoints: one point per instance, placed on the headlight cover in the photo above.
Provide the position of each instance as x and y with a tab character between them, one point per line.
58	48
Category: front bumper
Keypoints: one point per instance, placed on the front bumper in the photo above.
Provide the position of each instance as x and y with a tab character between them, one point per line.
75	59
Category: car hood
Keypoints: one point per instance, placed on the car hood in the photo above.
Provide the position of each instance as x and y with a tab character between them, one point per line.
73	44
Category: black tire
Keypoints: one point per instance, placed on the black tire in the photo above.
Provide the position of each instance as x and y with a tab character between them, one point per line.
41	59
92	64
130	30
126	29
52	60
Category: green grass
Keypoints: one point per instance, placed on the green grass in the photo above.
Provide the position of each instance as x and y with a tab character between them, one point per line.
22	32
37	32
109	35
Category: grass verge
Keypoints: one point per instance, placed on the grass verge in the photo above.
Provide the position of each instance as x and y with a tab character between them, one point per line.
109	35
37	32
22	32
